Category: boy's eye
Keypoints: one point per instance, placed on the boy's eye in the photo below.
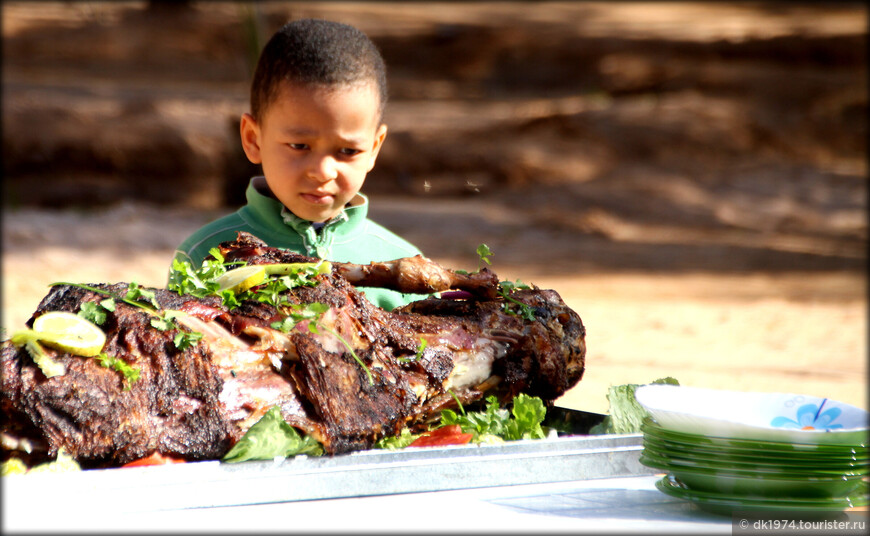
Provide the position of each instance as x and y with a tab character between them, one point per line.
297	146
347	151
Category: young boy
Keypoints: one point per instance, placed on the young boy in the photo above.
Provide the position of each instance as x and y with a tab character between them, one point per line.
315	126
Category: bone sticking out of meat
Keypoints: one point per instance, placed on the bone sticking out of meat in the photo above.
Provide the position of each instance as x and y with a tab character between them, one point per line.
196	402
418	275
415	275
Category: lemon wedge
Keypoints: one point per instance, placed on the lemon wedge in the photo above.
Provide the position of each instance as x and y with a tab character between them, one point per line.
70	333
241	279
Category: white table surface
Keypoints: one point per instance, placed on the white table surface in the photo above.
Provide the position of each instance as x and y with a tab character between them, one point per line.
605	505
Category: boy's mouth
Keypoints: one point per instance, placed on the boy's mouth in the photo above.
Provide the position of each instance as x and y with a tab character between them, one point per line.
318	199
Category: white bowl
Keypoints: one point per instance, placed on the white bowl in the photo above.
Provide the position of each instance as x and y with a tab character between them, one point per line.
781	417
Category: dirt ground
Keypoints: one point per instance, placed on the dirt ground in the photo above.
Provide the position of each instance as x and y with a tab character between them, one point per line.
701	203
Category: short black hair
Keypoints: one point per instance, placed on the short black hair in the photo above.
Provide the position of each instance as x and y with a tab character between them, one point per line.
317	52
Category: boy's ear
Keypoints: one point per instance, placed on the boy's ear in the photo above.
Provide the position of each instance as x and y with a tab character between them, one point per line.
380	136
250	133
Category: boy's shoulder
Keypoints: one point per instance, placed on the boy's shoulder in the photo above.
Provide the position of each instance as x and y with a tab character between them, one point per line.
378	232
372	242
228	223
226	228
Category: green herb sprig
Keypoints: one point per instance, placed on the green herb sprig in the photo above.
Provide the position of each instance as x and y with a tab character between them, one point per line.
96	312
513	306
418	355
201	282
130	373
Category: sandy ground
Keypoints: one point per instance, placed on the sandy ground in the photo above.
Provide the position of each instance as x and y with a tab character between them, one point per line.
799	332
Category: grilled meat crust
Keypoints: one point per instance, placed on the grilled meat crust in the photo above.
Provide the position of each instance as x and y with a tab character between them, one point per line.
196	403
175	407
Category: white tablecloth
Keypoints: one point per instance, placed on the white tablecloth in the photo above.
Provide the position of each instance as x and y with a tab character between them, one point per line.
616	505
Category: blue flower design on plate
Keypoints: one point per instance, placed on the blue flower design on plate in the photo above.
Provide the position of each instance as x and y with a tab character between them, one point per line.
810	417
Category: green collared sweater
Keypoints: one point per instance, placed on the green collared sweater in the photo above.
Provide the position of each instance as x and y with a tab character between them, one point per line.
349	237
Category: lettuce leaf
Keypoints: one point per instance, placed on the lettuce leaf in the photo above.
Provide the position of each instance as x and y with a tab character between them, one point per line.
522	422
626	414
272	437
400	441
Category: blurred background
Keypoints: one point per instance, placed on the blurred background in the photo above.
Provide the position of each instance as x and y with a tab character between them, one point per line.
691	177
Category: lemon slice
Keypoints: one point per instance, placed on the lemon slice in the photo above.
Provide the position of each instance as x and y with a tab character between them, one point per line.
323	267
70	333
241	279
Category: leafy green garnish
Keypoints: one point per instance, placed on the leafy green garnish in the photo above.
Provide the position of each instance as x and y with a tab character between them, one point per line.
130	373
484	253
273	291
626	413
202	282
137	293
96	312
513	306
421	348
400	441
272	437
300	313
162	323
183	339
493	425
186	339
522	422
418	355
185	279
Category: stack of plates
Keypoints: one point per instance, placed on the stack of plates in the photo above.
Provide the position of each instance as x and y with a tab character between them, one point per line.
728	450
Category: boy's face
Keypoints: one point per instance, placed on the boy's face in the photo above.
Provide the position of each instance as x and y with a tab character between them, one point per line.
316	146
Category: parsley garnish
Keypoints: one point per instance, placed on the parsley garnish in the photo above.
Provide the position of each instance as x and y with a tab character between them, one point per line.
484	253
418	355
522	422
131	374
96	312
513	306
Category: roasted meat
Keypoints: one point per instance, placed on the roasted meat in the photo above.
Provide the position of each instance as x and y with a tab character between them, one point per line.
362	374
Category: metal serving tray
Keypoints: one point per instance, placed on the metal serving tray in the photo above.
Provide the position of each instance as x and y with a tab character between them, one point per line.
366	473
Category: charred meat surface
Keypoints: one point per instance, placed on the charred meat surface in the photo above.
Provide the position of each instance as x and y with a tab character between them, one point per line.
363	374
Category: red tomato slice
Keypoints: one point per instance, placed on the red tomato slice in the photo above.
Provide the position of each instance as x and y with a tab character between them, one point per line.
154	459
446	435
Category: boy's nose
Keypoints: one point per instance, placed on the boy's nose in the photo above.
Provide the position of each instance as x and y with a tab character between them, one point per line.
323	169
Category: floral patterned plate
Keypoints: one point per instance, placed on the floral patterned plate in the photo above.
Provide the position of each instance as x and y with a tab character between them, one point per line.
781	417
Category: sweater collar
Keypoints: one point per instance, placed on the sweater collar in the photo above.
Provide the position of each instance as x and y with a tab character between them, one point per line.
317	238
354	213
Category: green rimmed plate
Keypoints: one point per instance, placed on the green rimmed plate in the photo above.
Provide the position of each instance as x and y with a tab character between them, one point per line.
767	463
765	471
819	461
726	504
756	484
749	446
